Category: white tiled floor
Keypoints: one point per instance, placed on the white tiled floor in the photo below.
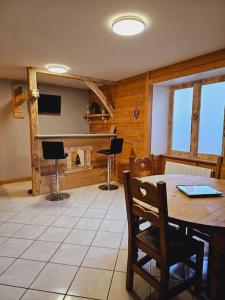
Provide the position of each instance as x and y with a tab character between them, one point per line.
74	249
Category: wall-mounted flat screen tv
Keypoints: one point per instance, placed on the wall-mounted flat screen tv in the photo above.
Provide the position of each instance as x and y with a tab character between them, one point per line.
49	104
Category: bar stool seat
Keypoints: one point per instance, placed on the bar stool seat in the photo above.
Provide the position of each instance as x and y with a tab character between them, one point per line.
55	150
116	147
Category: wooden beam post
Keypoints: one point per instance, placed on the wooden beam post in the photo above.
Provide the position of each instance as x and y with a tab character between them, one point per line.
148	115
34	129
195	118
101	96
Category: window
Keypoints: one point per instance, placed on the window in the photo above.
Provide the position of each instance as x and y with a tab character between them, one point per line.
196	120
211	118
182	112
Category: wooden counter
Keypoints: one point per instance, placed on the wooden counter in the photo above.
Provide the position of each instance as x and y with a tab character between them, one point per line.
90	171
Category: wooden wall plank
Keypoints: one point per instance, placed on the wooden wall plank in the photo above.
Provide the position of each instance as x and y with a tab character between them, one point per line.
126	96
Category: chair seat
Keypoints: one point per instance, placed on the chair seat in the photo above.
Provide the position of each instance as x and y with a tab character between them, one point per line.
105	151
180	245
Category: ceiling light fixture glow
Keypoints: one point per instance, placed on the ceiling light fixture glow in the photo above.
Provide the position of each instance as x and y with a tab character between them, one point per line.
128	26
54	68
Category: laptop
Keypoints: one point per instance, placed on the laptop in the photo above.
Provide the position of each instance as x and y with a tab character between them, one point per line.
196	191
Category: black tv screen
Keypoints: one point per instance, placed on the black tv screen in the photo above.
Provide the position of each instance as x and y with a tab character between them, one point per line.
49	104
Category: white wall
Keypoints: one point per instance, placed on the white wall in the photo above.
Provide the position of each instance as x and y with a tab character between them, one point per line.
160	119
14	133
73	105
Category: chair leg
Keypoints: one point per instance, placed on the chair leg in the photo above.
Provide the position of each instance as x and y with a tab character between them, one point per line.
164	283
198	273
132	258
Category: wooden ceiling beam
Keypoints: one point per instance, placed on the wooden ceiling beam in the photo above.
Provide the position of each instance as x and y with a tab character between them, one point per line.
101	96
19	97
75	76
203	63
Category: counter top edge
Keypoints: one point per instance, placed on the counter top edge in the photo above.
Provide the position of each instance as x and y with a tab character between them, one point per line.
78	135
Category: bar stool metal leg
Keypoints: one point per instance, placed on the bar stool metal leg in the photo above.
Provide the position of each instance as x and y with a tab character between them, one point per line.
57	196
108	186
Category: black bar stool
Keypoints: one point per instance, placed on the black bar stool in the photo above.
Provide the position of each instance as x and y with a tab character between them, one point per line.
116	147
55	150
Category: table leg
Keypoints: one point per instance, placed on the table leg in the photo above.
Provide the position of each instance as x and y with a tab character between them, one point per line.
217	266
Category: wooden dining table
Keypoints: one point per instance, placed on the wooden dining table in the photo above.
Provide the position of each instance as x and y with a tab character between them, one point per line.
205	214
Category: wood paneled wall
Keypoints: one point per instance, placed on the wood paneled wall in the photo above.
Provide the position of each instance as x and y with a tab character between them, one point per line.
126	96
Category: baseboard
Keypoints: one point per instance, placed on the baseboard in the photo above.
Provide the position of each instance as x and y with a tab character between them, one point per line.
14	180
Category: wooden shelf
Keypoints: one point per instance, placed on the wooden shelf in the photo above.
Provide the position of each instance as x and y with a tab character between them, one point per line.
93	116
96	115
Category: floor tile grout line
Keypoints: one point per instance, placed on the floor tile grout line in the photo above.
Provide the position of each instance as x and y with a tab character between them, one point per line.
15	258
49	261
88	250
19	257
74	226
115	267
83	257
54	293
44	267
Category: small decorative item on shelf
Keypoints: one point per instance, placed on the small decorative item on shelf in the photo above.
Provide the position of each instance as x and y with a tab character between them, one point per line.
95	108
104	111
78	162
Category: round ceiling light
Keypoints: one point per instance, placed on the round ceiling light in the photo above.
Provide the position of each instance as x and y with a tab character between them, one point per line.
54	68
128	26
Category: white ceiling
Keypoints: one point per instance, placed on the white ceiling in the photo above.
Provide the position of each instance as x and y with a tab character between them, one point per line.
78	33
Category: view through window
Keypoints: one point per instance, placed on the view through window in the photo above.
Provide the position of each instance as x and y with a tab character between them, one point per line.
211	119
182	112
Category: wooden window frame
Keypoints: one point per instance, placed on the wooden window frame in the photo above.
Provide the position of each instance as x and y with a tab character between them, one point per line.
195	120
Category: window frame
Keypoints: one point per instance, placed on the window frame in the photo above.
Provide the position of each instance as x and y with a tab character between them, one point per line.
195	119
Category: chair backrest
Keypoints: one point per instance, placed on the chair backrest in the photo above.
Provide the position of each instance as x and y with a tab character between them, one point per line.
116	145
157	212
53	150
142	166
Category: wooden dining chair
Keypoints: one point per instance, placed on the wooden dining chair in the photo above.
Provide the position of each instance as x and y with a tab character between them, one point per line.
159	242
140	167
